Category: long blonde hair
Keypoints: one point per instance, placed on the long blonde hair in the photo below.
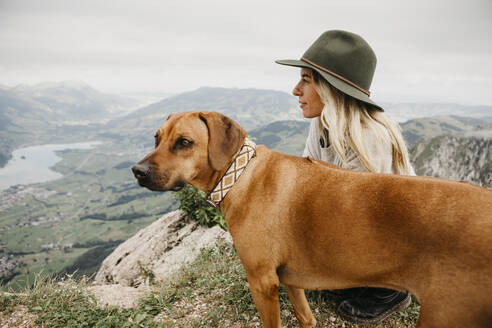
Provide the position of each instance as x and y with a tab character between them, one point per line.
346	118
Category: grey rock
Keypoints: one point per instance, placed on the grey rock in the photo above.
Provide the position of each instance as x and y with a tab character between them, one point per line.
455	158
158	251
124	296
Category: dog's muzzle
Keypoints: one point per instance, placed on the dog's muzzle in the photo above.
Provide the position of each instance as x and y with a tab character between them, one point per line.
147	179
143	176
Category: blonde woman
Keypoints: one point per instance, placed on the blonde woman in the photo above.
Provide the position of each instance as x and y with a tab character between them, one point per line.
349	130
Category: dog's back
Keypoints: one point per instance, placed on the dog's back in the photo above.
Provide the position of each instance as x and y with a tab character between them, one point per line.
430	236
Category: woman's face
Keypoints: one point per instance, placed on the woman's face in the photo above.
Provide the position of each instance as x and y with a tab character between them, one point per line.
309	100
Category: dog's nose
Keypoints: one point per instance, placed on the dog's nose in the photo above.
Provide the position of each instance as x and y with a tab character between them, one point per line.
140	171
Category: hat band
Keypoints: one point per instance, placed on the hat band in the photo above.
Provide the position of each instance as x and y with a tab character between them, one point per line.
337	76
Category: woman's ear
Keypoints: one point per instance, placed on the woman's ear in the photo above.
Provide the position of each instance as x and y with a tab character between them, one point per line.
225	138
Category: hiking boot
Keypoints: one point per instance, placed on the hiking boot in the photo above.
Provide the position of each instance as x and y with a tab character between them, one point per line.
373	305
344	294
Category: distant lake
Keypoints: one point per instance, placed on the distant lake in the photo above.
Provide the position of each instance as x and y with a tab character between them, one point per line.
32	164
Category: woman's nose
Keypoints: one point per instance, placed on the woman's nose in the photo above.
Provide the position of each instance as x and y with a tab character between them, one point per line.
296	92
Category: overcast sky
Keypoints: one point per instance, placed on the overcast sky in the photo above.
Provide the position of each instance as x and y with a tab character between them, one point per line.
428	50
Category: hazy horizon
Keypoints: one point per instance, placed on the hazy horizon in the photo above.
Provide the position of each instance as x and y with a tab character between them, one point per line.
147	96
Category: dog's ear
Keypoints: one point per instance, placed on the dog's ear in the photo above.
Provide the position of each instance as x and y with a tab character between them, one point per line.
225	137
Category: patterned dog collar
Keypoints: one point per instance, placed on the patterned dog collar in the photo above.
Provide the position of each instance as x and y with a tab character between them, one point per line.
247	152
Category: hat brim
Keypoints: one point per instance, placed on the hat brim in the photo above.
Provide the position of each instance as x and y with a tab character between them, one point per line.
334	81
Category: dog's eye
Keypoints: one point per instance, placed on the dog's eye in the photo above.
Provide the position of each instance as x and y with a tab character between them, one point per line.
156	137
183	143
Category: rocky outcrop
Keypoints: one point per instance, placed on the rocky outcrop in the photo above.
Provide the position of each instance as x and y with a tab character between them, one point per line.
158	251
455	158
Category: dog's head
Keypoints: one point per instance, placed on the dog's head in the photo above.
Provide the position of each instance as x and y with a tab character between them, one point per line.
190	147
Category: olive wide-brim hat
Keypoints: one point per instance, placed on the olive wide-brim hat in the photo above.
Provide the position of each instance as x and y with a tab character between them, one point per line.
345	60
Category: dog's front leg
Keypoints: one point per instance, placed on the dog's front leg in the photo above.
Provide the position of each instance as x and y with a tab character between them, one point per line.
301	307
264	287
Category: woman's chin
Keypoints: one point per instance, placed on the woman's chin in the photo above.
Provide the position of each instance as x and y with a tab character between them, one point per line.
308	114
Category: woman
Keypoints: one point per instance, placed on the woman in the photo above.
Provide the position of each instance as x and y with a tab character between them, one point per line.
349	130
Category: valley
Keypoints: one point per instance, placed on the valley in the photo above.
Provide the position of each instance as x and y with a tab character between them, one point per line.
45	227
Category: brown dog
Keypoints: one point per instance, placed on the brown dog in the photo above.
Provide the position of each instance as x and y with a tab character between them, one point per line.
306	224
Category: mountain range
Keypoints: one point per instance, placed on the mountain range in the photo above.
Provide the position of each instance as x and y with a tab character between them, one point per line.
252	108
69	101
35	114
72	111
416	130
402	112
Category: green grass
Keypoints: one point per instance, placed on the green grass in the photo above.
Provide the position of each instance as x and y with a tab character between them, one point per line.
69	304
211	292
